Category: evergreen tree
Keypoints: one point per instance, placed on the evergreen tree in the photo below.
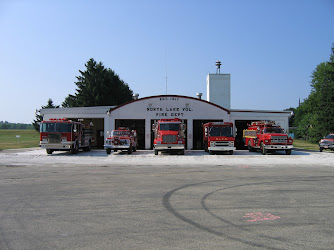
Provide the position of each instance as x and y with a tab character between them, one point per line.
38	115
98	86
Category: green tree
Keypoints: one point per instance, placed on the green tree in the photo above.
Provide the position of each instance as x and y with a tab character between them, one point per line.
314	118
323	94
4	125
98	86
39	117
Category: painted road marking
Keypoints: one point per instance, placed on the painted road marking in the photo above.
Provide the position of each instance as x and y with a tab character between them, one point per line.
261	217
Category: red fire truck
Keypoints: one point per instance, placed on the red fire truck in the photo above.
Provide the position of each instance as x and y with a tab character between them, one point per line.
218	136
65	135
121	139
267	136
169	136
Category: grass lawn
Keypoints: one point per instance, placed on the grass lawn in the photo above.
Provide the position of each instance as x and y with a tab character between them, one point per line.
298	143
28	139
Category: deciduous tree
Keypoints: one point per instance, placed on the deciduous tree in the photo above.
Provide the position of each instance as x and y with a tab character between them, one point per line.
314	118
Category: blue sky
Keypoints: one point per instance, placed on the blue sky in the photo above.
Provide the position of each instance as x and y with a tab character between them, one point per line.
270	48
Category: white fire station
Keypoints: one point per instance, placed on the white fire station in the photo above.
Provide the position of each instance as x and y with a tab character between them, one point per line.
140	114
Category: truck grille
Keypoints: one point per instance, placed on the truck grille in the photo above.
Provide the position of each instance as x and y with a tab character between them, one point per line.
279	139
169	138
124	142
54	138
222	143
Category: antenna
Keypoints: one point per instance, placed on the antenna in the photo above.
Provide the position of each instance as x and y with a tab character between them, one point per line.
166	68
218	63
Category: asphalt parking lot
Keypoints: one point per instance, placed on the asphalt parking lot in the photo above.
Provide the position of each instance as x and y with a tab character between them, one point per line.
96	201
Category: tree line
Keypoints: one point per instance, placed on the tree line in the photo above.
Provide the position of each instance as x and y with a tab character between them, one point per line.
9	125
314	118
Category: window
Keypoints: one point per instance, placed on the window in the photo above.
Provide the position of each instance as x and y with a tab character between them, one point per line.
56	127
221	131
277	130
47	127
63	127
170	126
329	137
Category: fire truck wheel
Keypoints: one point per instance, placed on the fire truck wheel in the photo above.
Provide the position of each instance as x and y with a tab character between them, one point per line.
250	148
49	151
130	150
263	150
108	151
288	151
88	147
206	147
75	149
156	152
210	152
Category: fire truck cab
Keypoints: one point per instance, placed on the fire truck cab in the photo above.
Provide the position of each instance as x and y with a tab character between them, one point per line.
218	136
169	136
64	135
121	139
267	136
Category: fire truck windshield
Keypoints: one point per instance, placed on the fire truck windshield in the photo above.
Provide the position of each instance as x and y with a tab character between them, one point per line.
170	126
273	130
121	133
220	131
56	127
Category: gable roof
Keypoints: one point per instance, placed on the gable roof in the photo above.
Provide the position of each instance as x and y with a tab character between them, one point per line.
178	96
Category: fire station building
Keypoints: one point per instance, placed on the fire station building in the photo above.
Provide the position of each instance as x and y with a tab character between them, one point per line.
140	114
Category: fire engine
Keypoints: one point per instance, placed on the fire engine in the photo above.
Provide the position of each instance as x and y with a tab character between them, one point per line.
121	139
267	136
169	136
65	135
218	136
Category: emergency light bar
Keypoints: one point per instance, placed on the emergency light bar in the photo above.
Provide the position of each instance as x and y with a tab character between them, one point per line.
58	119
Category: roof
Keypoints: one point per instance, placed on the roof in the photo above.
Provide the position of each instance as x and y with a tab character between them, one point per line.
261	111
178	96
89	110
105	109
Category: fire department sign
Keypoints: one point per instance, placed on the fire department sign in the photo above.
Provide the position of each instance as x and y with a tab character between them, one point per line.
171	110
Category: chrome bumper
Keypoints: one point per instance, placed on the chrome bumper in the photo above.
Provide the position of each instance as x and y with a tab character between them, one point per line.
64	145
169	146
326	146
278	147
221	148
120	147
